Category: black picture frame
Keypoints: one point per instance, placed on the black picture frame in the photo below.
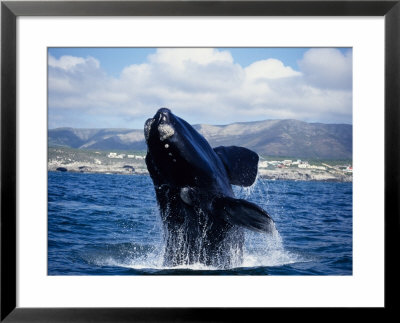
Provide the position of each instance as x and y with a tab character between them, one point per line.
10	10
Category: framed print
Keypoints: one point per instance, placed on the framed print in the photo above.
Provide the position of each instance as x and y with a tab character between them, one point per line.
162	159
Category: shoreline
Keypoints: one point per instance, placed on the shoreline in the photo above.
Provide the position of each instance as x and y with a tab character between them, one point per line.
129	163
288	174
298	174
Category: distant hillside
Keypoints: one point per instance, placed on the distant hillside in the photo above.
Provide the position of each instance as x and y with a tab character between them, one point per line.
279	138
100	139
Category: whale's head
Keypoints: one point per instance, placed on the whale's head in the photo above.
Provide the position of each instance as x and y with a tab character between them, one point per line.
177	152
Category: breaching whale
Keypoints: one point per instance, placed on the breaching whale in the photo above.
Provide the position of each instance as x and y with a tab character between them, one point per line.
203	221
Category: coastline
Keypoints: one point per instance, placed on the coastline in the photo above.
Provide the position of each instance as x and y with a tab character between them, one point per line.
292	174
297	174
133	163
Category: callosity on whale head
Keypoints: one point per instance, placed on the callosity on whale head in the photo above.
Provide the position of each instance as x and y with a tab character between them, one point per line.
203	221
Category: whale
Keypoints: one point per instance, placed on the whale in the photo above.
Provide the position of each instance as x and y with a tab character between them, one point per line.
203	222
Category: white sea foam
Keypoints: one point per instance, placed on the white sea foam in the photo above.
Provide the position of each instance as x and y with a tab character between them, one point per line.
260	250
267	250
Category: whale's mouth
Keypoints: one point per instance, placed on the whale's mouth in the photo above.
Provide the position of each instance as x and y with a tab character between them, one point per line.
147	128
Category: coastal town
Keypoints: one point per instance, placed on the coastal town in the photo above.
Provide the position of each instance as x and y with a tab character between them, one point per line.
305	170
115	162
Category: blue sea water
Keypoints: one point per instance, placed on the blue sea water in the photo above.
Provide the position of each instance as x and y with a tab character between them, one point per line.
102	224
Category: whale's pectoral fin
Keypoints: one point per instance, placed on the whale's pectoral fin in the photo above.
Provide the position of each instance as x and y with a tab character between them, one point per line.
240	163
244	213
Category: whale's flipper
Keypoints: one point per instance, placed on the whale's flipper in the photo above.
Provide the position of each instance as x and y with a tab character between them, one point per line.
240	163
243	213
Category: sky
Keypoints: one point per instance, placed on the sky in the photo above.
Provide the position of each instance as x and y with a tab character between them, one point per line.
123	87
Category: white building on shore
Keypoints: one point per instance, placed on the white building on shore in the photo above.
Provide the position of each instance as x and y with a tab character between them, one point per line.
115	155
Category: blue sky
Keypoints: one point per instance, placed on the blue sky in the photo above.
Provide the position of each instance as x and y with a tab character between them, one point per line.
122	87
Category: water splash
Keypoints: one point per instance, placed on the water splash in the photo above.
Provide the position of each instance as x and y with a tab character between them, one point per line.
266	250
247	192
259	250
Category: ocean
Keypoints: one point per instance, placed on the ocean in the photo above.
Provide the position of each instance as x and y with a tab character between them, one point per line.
104	224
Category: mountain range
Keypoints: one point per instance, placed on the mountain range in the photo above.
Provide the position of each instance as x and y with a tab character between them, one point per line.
274	138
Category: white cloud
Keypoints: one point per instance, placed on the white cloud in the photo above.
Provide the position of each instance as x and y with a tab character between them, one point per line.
183	57
203	86
327	68
72	63
269	69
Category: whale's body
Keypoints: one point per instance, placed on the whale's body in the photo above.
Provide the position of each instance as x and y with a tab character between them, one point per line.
203	222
